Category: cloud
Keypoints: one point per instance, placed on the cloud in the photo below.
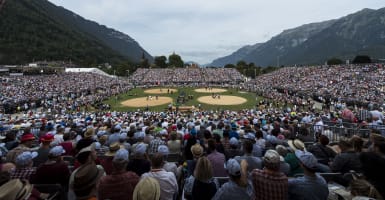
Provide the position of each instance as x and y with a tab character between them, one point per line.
204	30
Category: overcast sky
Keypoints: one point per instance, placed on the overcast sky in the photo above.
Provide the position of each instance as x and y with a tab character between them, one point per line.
203	30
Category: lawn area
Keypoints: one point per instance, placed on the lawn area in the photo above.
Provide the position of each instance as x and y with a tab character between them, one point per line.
139	92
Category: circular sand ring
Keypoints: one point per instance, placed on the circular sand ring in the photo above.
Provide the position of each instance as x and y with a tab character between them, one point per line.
224	100
213	90
159	91
143	102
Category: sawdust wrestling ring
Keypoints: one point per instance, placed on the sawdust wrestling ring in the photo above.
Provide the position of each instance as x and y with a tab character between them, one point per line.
224	100
143	102
159	91
213	90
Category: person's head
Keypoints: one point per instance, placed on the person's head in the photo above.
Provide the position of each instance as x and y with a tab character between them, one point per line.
211	145
27	139
25	159
361	187
233	168
197	150
173	136
258	134
55	153
147	188
203	169
226	133
307	161
281	150
86	154
345	145
47	139
85	181
120	160
378	143
323	140
247	146
140	150
234	143
271	160
357	143
157	161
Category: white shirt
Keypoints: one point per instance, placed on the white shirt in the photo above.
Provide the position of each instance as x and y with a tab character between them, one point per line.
167	182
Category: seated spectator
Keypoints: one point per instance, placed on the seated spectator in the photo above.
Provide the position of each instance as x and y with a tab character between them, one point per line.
25	145
311	185
139	163
291	159
373	164
155	143
234	150
54	170
167	180
85	181
219	146
269	183
43	151
321	151
24	166
147	188
362	189
284	167
204	185
238	187
197	152
217	160
168	166
252	161
106	160
110	186
20	189
68	144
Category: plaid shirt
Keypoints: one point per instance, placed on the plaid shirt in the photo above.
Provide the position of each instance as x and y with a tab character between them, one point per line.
23	173
269	185
154	144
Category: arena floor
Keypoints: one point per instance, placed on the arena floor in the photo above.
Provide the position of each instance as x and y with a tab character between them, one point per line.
143	102
159	91
224	100
213	90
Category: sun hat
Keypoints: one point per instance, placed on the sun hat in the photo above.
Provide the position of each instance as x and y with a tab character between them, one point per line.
114	147
233	167
57	151
196	150
271	156
121	155
85	178
147	188
307	159
89	133
27	137
15	189
296	144
140	148
25	158
163	149
234	141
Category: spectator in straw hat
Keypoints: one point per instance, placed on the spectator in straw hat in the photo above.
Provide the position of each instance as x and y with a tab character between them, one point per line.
238	187
197	152
269	183
20	189
86	179
25	145
110	186
24	166
290	157
167	180
54	170
147	188
311	185
106	161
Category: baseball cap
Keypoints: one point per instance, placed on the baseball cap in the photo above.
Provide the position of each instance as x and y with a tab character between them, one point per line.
233	167
233	141
121	154
271	156
25	157
163	149
57	151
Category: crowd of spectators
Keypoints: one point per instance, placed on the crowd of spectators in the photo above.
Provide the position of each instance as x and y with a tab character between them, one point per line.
144	76
246	154
63	91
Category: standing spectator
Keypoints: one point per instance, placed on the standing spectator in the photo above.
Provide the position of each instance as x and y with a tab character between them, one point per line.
311	185
167	180
110	186
174	144
269	183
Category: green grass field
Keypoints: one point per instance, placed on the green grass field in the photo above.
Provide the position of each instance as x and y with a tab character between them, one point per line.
139	92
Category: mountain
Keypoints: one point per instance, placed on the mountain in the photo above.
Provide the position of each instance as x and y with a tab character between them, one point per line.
39	30
359	33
